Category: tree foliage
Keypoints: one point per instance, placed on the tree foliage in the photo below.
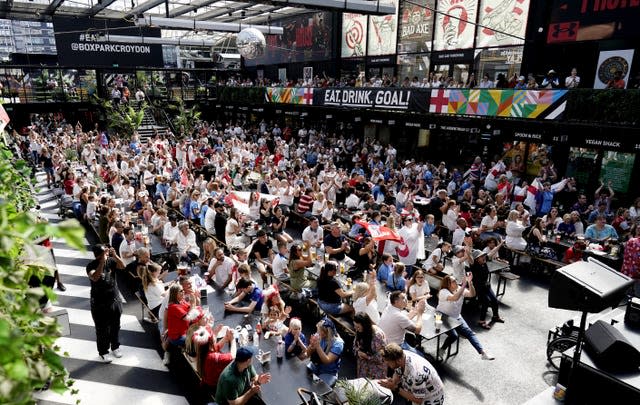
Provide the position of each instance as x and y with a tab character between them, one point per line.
29	358
185	119
121	119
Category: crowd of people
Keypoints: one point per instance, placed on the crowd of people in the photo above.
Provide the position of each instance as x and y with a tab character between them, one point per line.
226	177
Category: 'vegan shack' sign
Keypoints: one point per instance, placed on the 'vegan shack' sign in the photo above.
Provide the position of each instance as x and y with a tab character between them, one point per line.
372	98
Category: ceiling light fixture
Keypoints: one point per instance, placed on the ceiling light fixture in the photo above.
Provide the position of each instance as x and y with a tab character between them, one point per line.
130	39
185	24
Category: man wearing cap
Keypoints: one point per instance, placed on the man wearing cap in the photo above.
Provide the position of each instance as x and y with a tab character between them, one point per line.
485	294
106	307
415	379
550	81
462	257
575	252
239	383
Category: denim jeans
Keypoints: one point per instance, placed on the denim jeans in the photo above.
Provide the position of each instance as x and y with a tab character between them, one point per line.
329	379
487	299
465	331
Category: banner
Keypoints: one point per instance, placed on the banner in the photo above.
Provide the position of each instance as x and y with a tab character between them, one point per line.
504	22
306	38
379	232
79	40
416	26
499	103
589	20
455	24
354	35
395	99
383	34
611	62
290	95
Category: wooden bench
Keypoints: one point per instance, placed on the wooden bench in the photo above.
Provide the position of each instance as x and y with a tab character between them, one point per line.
554	264
503	277
143	306
342	322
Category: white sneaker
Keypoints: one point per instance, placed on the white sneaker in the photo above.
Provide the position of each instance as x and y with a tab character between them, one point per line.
442	353
165	359
487	356
116	353
106	358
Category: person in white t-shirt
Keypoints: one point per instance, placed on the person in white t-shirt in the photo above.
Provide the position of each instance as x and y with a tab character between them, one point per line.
413	240
128	247
460	260
365	298
170	230
280	262
220	269
313	235
395	321
450	299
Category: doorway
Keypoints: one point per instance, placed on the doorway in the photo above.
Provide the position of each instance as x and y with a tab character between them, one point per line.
459	72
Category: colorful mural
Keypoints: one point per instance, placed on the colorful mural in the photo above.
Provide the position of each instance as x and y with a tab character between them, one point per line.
289	95
499	102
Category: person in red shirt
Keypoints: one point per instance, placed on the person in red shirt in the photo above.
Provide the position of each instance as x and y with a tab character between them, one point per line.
176	324
617	82
69	182
574	253
211	361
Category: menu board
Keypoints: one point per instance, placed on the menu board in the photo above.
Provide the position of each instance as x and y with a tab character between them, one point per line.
416	26
383	34
581	164
455	24
354	35
503	22
616	168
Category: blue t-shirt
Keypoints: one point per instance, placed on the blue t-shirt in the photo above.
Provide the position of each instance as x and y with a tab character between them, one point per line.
396	283
256	295
383	272
336	348
592	233
428	229
288	340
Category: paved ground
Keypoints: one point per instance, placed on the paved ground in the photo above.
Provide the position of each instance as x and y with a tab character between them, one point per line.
519	372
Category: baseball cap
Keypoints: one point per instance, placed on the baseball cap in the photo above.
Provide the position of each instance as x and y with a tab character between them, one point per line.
244	353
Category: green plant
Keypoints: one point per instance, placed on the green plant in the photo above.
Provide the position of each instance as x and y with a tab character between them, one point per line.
358	396
184	119
122	119
29	358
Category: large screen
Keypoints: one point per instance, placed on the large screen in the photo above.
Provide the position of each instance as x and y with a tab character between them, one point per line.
383	34
586	20
502	22
416	26
354	35
455	24
306	37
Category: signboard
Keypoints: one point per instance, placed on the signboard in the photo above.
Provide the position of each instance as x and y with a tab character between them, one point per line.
588	20
499	103
611	62
78	40
306	38
383	34
354	35
504	22
290	95
617	168
455	24
416	26
396	99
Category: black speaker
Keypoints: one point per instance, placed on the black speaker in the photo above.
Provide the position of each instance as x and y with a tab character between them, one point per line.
632	314
609	349
587	286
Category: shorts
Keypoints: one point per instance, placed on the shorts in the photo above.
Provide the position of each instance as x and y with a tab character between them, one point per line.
330	308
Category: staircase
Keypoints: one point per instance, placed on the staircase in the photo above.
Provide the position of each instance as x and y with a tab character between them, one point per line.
148	126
